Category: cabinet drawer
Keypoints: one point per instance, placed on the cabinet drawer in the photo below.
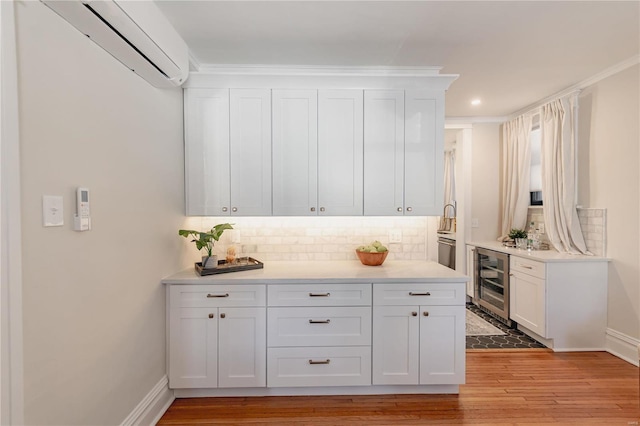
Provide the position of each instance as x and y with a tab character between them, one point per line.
322	366
527	266
419	294
206	296
319	295
319	326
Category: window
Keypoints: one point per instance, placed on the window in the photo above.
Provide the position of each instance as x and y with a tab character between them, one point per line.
535	180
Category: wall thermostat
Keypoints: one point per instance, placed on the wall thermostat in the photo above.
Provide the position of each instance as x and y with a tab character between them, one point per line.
82	218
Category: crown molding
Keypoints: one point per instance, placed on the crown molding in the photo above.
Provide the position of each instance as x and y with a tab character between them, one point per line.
452	121
297	77
305	70
608	72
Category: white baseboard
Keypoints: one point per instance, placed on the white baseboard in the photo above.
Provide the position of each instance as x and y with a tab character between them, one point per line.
152	406
622	346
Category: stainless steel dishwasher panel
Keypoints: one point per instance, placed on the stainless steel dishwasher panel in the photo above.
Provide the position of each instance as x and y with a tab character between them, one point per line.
447	252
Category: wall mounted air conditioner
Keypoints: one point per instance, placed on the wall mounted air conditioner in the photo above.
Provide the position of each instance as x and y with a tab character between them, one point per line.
134	32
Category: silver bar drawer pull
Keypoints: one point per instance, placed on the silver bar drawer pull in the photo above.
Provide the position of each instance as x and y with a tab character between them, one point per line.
218	295
527	267
326	361
327	321
413	293
319	294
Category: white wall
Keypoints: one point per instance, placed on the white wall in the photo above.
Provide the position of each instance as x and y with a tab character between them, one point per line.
485	181
609	178
94	310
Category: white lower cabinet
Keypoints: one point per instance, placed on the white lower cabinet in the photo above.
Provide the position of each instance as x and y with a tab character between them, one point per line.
324	341
417	343
216	346
527	294
284	336
561	303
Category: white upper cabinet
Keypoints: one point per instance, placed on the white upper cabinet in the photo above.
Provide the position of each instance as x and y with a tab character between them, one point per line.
228	152
423	152
340	152
383	152
295	152
305	142
250	135
207	175
403	152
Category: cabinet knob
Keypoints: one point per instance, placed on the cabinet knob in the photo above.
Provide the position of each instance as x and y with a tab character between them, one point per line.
399	209
414	314
425	313
223	315
225	209
409	209
313	209
321	209
210	315
234	209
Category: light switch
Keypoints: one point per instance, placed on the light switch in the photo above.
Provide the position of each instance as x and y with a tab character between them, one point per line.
52	210
475	223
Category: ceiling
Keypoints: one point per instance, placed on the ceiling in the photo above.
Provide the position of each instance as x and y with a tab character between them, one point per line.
510	54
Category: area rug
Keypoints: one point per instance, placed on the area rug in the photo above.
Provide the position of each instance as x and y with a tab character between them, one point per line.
476	326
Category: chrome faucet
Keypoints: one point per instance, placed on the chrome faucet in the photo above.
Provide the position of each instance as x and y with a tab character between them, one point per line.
444	211
447	223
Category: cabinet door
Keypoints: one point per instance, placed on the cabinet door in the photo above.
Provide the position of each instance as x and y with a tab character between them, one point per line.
383	152
442	345
250	135
527	302
424	153
242	347
295	152
395	345
340	154
207	178
193	348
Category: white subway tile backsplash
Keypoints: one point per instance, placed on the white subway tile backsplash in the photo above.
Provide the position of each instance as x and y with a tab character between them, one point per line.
593	223
319	238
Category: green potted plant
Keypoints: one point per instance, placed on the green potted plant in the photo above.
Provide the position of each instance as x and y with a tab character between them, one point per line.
519	236
206	240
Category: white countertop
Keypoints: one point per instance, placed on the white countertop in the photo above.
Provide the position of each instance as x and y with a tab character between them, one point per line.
302	272
540	255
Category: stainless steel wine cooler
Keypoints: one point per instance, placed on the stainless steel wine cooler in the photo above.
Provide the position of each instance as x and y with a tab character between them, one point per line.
491	289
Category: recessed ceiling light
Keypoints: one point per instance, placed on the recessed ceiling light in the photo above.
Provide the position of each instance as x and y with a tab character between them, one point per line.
476	102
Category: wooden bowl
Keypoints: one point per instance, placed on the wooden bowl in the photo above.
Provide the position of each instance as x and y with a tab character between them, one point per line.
372	259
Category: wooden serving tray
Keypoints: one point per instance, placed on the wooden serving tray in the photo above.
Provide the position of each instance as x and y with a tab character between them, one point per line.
240	264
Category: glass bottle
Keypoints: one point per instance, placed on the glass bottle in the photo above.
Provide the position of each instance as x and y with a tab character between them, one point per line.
531	236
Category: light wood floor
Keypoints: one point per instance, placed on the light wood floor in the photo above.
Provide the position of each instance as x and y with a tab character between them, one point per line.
503	387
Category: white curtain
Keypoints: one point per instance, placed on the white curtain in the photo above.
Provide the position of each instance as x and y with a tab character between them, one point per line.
558	141
450	181
516	166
